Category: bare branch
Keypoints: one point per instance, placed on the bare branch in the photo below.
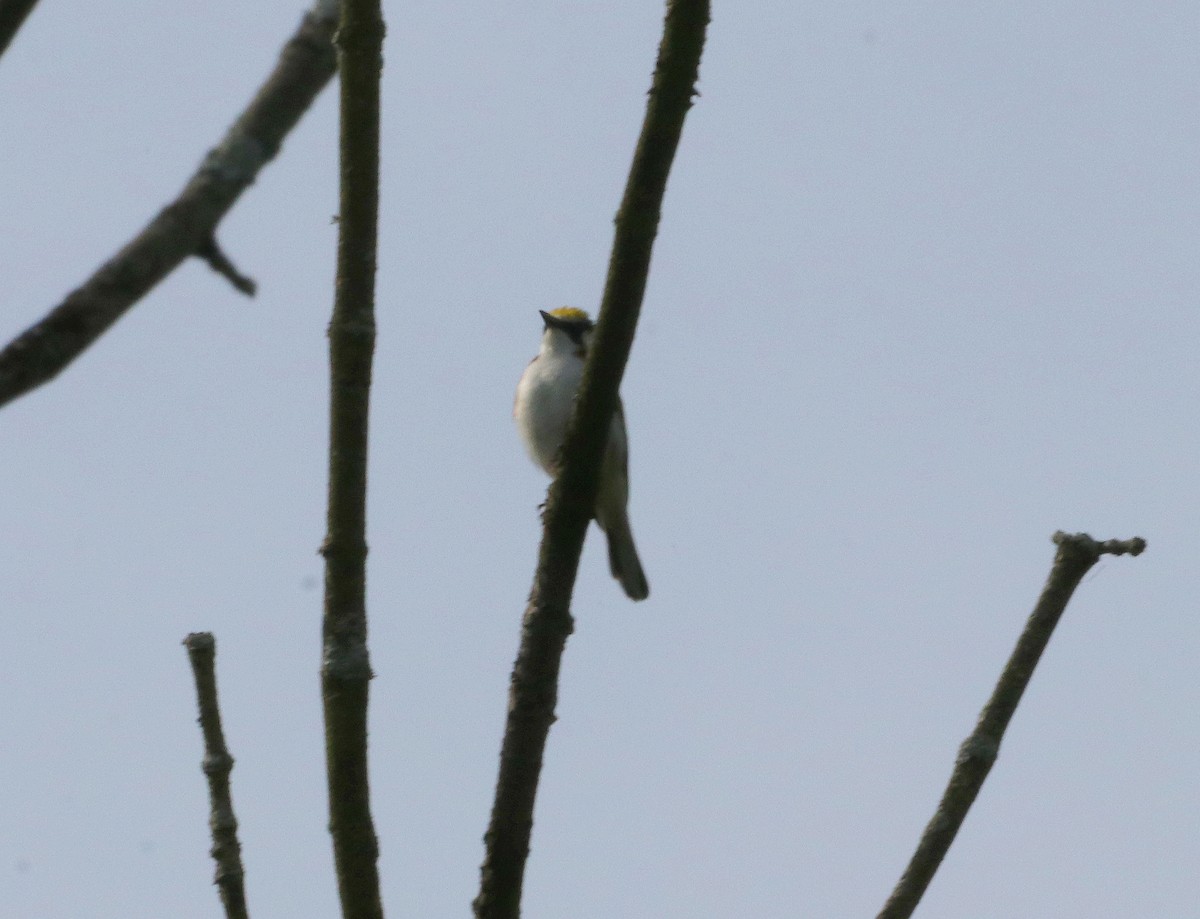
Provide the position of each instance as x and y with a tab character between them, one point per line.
345	664
185	225
210	250
547	623
12	15
1077	553
226	851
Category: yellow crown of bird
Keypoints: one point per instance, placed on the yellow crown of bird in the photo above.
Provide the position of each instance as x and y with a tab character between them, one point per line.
571	314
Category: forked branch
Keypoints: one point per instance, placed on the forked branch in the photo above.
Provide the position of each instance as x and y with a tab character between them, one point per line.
1077	553
187	225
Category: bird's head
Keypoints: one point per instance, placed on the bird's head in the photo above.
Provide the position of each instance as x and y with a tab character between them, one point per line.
566	329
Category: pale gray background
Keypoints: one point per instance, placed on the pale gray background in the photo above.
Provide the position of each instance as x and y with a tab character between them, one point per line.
925	291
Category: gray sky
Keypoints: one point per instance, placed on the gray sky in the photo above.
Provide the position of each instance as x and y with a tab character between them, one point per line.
924	292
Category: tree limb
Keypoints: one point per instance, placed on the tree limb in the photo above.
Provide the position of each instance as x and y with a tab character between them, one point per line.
226	851
1077	553
12	15
345	664
547	621
186	225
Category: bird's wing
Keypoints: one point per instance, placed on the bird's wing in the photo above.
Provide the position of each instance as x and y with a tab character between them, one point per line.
618	440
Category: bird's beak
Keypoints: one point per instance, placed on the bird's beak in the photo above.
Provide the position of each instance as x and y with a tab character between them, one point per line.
549	321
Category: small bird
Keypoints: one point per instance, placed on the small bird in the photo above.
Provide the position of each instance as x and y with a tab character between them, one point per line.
545	398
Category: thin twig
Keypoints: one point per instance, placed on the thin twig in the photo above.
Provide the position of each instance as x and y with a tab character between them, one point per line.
12	14
1077	553
212	253
217	764
185	225
345	664
547	622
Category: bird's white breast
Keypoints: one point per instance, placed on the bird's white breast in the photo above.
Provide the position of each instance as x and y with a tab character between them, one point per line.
545	397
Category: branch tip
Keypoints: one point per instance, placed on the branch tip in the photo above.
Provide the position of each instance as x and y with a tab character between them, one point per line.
217	764
210	251
200	641
1077	553
1089	546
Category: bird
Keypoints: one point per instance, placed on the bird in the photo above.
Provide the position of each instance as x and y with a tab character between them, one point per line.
545	398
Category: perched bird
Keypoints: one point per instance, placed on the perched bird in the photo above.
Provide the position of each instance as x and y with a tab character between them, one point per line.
545	398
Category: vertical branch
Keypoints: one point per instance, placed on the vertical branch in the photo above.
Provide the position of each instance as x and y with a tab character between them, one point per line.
345	665
217	764
1077	553
547	623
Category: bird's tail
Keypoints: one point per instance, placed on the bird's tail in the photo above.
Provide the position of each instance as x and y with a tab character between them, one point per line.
623	558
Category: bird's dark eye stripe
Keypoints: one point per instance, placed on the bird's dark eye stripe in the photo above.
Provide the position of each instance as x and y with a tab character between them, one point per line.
575	330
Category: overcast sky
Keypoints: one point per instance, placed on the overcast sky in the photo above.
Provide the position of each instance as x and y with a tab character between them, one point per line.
925	291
